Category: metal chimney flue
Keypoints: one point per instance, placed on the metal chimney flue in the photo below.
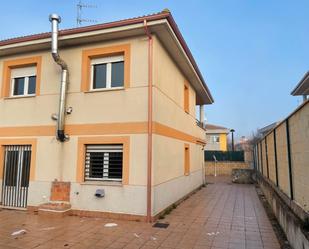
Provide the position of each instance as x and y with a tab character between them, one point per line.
55	20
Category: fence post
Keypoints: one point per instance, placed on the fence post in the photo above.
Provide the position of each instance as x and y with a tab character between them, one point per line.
289	158
276	160
254	158
261	157
258	157
266	157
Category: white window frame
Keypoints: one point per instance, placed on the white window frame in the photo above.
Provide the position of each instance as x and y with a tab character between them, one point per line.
106	149
108	61
214	140
26	73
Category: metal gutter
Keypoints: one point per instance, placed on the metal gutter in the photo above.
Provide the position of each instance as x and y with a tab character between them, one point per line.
149	150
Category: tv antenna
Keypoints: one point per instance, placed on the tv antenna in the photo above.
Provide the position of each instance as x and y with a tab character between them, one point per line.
80	6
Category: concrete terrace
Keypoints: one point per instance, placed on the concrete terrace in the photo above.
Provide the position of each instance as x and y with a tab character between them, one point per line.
222	215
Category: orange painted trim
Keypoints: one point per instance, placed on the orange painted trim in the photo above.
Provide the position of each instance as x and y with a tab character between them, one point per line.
167	131
186	159
101	129
32	142
200	141
81	153
89	54
25	131
186	102
76	129
18	63
109	128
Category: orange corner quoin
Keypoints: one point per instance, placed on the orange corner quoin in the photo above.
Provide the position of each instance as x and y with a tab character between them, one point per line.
18	63
89	54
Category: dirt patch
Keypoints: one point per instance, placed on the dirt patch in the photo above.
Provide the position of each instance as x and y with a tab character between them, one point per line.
283	241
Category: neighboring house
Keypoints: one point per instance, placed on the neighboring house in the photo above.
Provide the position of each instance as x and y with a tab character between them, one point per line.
122	140
263	131
302	88
216	137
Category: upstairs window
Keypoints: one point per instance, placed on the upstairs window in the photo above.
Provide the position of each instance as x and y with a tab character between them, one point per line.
107	73
23	81
215	139
186	98
104	162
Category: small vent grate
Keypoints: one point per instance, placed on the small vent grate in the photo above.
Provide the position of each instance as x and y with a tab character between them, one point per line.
161	225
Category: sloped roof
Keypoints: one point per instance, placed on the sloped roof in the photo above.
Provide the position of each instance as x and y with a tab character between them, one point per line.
215	127
264	130
95	27
302	87
165	14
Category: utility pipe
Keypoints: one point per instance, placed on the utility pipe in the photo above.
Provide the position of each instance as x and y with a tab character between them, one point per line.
60	134
149	151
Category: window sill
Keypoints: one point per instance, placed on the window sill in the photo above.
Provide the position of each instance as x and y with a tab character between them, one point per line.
106	90
102	183
20	97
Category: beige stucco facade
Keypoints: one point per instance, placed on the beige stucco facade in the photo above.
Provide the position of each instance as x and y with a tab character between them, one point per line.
113	115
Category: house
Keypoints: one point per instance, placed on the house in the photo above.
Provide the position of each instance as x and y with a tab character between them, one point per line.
216	137
302	88
100	120
266	129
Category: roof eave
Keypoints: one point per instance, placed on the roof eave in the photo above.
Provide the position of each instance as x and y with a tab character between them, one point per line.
304	83
134	22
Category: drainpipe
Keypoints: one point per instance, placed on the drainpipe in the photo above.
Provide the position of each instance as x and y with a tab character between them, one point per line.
149	156
60	135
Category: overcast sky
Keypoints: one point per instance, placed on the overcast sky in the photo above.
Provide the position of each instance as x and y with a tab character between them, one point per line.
251	52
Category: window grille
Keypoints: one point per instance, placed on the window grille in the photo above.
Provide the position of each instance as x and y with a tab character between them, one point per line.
104	162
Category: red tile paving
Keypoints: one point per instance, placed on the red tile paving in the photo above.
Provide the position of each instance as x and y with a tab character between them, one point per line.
220	216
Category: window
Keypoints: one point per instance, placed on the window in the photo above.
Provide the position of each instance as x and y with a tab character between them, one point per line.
104	162
107	72
23	81
187	160
215	139
21	77
186	98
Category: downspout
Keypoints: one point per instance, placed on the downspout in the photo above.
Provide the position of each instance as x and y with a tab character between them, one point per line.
60	134
149	151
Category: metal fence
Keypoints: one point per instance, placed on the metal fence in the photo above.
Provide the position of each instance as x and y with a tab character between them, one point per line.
234	156
16	174
282	156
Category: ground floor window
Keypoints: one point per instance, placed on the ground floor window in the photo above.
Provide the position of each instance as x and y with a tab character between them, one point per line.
104	162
